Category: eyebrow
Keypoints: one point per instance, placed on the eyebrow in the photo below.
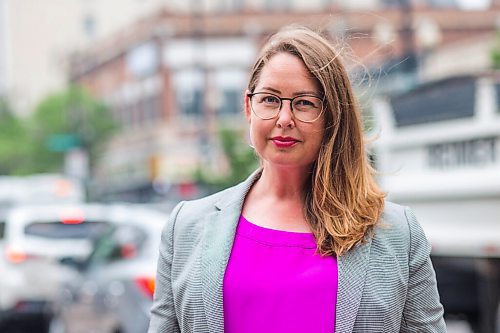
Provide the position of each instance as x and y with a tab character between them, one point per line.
297	93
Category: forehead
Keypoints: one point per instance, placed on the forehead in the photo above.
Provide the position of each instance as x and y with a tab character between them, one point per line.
285	71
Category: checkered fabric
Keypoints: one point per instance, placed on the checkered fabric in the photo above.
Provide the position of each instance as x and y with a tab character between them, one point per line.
385	285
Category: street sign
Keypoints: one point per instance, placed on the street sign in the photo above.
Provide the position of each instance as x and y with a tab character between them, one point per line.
62	142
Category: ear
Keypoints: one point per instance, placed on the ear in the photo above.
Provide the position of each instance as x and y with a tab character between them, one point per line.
248	108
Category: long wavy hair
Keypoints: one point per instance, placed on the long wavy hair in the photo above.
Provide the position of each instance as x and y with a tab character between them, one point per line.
343	203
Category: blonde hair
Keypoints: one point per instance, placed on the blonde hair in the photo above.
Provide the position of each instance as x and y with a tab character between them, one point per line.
343	202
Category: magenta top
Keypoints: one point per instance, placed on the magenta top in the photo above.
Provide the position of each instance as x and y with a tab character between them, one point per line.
275	282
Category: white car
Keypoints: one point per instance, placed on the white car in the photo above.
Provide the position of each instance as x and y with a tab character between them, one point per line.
114	291
37	238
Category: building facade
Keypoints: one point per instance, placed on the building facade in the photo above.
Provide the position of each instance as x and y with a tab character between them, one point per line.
174	80
36	38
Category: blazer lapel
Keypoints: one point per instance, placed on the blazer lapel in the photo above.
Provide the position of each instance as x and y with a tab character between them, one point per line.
352	268
218	237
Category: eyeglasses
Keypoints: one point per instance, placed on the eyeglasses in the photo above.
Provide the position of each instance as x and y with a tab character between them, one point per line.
305	108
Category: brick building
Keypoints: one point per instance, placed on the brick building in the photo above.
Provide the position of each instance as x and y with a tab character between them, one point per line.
172	80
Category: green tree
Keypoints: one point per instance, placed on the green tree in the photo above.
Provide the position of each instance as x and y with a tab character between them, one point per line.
241	158
495	53
15	147
68	119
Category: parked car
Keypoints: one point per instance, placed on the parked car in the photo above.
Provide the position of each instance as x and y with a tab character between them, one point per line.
115	287
36	239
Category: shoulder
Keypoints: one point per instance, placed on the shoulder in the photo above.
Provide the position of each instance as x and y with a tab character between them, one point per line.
194	209
393	220
398	217
188	216
399	228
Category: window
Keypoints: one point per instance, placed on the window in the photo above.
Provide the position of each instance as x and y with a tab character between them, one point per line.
444	100
230	83
142	60
121	243
103	249
391	3
58	230
442	3
2	229
89	25
191	102
232	102
190	85
497	91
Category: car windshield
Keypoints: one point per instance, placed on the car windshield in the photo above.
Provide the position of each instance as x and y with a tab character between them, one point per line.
58	230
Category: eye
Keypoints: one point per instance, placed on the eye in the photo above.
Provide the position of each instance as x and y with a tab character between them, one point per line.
269	99
306	103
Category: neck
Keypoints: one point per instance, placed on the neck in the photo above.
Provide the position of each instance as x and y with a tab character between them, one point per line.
283	183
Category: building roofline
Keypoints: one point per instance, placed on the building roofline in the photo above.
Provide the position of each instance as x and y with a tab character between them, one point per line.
163	24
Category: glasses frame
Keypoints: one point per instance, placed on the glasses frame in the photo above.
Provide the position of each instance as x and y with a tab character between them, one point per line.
281	99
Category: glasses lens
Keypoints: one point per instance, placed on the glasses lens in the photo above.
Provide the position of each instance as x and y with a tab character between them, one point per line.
307	108
266	106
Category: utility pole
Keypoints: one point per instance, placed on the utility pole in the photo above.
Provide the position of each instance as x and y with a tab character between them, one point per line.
208	128
407	36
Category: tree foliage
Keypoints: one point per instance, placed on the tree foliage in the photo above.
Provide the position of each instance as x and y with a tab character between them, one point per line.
495	53
68	119
15	147
241	158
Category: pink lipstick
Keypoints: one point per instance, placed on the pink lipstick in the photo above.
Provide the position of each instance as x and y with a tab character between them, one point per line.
284	141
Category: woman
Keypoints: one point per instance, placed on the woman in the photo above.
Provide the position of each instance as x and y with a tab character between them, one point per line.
306	243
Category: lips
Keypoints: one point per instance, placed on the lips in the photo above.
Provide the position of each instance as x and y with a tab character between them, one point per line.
284	141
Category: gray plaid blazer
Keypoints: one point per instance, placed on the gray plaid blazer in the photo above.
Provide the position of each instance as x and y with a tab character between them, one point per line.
385	285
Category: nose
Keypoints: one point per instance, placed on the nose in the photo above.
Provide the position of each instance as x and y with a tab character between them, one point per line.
285	116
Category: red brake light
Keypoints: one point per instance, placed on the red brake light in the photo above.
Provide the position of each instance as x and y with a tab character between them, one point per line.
490	249
20	306
128	251
146	285
74	216
16	256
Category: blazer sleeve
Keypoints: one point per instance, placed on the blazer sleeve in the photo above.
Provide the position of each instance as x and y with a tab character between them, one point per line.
163	317
423	311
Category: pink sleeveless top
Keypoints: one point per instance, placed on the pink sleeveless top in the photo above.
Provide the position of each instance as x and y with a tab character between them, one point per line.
274	282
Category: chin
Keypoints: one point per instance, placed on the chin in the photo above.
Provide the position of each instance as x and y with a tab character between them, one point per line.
288	163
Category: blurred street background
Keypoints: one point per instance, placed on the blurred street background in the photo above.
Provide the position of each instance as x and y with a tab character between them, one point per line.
112	111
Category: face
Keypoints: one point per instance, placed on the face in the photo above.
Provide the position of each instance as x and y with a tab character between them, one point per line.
284	140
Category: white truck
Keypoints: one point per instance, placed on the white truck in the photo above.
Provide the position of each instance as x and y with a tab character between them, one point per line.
438	151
